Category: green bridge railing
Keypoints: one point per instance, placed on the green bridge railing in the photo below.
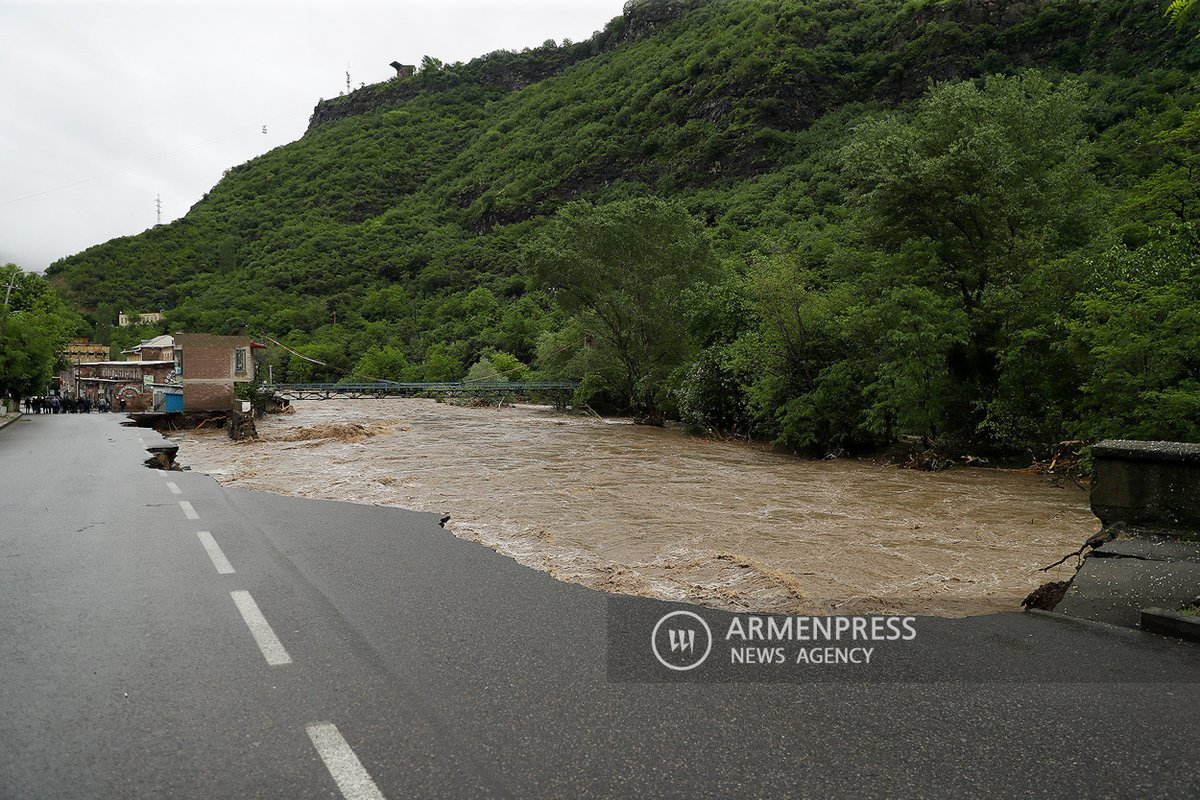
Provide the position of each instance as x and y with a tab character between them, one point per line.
560	391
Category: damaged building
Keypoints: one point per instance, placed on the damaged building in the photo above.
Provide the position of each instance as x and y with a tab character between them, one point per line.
208	367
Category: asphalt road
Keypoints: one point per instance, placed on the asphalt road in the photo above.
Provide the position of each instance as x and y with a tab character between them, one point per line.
314	649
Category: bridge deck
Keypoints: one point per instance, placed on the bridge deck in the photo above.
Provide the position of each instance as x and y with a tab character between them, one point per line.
559	390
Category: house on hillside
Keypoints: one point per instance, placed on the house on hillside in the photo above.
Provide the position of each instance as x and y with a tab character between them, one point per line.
125	320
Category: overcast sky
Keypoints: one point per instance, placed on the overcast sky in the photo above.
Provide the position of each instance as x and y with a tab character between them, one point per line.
105	105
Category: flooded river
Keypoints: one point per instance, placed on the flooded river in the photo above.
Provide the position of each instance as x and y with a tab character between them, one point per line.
657	512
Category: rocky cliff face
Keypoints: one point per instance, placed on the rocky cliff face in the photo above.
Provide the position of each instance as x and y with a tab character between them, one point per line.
508	71
647	17
364	101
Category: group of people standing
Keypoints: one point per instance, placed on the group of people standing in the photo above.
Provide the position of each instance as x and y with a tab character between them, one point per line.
65	405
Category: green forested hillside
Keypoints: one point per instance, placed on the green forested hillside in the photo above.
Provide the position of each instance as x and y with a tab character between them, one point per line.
963	219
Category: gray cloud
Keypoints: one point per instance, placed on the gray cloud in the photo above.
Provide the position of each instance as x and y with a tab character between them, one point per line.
107	104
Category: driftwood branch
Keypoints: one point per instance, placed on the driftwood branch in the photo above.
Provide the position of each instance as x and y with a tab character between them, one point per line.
1104	536
1077	554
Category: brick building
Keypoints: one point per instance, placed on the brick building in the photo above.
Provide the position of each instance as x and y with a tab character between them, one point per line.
208	367
80	350
122	380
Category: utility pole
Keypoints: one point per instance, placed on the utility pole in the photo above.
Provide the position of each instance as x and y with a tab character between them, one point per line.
12	284
158	208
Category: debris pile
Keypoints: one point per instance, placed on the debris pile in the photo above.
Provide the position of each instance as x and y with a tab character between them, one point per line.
351	432
241	426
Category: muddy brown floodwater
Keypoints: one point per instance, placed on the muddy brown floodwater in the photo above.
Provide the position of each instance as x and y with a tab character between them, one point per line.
657	512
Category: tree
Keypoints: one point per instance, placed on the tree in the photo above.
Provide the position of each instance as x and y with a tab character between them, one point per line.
914	330
443	362
1172	193
1137	336
497	366
382	363
986	183
709	391
34	328
622	269
993	175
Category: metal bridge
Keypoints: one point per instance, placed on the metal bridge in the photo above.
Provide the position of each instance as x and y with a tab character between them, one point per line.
558	391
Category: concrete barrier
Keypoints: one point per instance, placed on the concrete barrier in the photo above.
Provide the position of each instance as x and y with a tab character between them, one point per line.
1171	623
1149	486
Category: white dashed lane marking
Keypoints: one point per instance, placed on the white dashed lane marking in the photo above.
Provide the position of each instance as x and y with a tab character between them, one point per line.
188	510
174	487
268	642
214	552
348	772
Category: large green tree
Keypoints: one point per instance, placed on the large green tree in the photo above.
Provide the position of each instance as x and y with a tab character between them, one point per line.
972	197
622	271
34	327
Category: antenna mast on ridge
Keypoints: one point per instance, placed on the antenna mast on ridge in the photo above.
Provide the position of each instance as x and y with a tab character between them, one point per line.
158	208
